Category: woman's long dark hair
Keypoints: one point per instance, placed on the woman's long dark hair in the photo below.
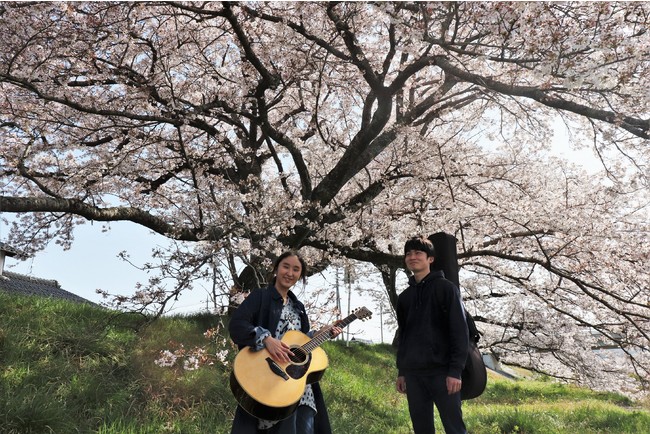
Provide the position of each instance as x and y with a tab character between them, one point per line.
303	264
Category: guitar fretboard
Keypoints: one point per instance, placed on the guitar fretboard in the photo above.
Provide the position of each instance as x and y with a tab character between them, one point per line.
317	340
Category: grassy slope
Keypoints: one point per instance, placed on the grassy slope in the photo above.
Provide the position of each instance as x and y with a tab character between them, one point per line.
67	368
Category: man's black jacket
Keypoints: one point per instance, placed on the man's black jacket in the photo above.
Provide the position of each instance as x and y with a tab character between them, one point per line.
432	338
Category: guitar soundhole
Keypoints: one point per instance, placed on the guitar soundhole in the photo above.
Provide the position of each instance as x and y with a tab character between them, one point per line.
300	356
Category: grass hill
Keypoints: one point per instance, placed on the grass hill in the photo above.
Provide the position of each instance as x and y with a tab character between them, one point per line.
72	368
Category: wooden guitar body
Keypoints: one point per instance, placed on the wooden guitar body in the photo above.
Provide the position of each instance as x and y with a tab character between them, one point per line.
270	390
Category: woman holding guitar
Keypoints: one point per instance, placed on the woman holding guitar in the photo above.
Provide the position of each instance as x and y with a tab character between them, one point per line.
260	322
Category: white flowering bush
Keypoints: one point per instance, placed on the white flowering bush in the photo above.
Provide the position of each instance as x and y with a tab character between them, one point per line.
186	358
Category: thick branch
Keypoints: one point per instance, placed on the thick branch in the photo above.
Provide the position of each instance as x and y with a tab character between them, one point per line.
77	207
636	126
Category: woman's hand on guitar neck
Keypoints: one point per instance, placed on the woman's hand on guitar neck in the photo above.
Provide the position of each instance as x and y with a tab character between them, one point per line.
279	351
335	331
332	330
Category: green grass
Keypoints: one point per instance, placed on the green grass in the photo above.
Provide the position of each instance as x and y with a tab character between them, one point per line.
69	368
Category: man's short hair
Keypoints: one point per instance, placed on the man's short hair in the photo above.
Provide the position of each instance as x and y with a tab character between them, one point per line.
420	243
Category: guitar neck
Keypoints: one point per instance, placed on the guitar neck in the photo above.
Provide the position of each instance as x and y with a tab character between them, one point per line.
317	340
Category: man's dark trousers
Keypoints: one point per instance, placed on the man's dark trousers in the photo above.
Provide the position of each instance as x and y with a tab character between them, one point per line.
422	392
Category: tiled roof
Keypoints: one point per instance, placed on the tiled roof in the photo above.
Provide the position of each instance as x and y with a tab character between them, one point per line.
10	251
26	285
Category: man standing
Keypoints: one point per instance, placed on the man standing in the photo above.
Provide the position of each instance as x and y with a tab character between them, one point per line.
433	342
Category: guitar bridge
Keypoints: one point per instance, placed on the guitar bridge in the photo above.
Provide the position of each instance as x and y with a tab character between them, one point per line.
276	369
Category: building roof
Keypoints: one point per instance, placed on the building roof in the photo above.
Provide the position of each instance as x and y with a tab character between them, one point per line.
10	251
16	283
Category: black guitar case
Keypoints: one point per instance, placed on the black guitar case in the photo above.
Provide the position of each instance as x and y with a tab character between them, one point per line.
474	375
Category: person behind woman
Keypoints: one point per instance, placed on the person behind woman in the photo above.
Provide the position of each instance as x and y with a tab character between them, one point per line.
260	322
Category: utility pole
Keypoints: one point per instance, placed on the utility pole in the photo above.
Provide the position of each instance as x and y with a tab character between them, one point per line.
348	278
338	301
381	321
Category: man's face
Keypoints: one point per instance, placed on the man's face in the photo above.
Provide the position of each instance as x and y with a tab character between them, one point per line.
417	261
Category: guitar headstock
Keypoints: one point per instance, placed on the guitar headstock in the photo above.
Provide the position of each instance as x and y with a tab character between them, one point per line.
362	313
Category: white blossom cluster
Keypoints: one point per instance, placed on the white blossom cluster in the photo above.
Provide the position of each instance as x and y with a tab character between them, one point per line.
191	359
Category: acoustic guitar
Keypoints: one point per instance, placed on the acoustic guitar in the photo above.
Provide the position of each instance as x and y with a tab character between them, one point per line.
270	390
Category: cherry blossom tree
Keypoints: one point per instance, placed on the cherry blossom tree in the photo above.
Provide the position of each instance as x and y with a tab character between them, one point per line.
242	129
